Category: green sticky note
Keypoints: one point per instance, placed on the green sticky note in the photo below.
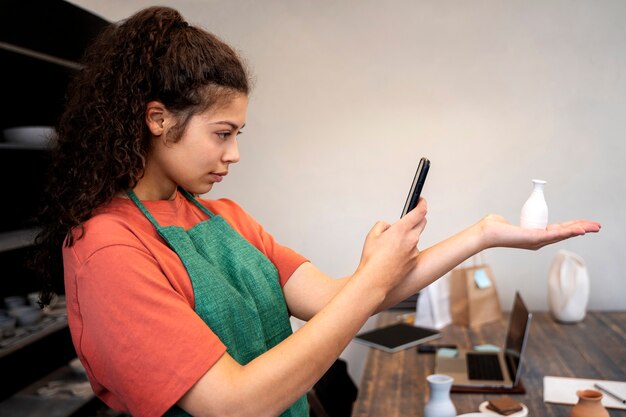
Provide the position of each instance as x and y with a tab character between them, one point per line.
481	279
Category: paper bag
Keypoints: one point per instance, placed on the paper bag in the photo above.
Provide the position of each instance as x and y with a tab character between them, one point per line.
473	296
433	306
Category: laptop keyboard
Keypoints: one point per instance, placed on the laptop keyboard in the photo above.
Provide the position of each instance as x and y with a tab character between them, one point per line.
484	367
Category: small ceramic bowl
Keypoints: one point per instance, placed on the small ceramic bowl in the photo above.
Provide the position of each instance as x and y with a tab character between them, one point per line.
7	326
26	315
33	299
14	301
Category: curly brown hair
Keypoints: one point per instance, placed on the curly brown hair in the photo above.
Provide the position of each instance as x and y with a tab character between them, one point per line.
102	137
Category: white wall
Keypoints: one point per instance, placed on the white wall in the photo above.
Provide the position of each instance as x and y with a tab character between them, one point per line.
350	94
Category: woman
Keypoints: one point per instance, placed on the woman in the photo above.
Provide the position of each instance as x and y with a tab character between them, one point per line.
181	305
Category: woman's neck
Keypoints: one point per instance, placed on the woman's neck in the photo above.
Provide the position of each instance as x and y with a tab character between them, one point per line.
148	194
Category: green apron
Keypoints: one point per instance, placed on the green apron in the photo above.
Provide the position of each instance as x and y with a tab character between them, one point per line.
236	289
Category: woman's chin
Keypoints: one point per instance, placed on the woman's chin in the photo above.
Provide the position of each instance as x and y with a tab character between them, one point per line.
199	190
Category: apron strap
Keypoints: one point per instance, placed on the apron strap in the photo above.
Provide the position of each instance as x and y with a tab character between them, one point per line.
196	202
156	224
143	208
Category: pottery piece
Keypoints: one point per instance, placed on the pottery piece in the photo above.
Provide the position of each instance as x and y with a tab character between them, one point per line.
14	301
439	404
568	287
589	404
535	210
26	315
7	326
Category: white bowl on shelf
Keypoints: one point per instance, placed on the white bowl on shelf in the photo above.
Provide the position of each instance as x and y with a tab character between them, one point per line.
14	301
26	315
7	326
29	135
33	298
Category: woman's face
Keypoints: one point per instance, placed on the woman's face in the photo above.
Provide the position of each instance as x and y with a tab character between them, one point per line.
201	157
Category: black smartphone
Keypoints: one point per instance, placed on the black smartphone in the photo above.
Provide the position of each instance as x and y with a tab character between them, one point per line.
428	348
416	186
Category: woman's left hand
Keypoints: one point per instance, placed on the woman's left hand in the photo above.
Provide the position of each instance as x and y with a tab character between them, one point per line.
497	232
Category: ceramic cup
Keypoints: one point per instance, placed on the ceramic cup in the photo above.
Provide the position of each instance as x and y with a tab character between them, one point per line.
33	299
14	301
26	315
7	326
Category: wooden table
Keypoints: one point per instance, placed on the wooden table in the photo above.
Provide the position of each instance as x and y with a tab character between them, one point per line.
394	384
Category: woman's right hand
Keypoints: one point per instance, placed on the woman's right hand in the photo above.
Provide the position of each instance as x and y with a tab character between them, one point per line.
390	251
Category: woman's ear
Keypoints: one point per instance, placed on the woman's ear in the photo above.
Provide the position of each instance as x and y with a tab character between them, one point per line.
157	118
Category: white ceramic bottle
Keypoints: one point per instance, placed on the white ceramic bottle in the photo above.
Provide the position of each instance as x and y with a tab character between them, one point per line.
439	404
535	210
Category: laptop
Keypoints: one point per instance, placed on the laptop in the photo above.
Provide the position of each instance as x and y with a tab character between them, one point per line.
472	368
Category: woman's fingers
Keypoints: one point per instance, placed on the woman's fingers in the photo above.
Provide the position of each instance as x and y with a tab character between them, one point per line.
378	229
501	233
415	217
557	232
586	225
392	249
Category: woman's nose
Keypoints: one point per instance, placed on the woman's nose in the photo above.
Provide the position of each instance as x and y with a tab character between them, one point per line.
231	154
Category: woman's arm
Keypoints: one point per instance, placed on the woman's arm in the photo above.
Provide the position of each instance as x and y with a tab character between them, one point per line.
310	289
273	381
390	270
491	231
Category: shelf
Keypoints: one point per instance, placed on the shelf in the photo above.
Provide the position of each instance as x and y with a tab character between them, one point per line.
25	336
52	27
17	239
41	56
41	44
36	99
29	401
25	146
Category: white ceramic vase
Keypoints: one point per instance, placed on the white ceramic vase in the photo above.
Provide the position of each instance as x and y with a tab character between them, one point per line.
439	403
568	287
534	213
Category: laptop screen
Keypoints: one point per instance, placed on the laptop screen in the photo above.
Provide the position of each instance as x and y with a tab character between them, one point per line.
519	325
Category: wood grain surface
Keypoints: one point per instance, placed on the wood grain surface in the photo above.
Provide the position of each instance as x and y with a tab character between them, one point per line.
394	384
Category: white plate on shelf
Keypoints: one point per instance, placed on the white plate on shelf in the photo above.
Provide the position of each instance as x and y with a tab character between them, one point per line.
29	135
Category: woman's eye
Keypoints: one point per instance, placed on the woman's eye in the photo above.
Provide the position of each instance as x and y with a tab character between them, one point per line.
226	135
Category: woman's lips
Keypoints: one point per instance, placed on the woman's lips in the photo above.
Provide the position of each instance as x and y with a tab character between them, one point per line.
218	177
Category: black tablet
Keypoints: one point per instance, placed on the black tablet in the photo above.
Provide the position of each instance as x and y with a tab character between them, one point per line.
396	337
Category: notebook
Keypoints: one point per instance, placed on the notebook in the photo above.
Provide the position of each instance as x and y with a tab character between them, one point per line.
473	368
396	337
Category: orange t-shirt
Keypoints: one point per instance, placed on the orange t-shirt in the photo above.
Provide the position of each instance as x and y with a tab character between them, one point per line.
131	307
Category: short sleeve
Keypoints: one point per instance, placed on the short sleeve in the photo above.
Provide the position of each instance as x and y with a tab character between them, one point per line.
143	343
